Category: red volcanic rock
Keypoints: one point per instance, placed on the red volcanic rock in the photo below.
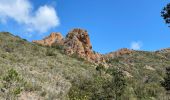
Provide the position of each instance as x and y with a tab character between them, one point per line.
123	51
77	42
53	38
118	53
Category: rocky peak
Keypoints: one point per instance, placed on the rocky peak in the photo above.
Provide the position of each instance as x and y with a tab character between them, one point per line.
52	38
76	42
81	35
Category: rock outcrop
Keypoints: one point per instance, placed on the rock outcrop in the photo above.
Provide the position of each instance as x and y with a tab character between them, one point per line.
118	53
76	42
53	38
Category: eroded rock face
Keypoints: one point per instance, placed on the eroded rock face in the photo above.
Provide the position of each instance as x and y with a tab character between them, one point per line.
53	38
76	42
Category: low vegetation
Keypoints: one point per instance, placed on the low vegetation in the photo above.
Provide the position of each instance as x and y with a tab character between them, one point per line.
27	69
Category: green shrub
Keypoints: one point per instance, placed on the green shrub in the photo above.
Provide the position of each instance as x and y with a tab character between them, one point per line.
32	87
43	93
166	83
100	68
77	57
12	82
119	82
50	52
57	46
97	88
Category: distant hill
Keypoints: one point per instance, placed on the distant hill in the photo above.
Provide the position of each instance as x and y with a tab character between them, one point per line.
40	72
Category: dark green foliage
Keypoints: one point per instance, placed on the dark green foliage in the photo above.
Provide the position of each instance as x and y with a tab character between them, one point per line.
11	77
12	82
165	13
166	83
119	83
25	40
99	88
43	94
50	52
145	82
100	68
17	91
57	46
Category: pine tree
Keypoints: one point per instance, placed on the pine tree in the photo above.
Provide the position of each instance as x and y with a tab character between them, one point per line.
165	13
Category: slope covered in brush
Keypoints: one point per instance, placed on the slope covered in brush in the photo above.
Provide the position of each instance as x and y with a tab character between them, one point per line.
45	70
46	73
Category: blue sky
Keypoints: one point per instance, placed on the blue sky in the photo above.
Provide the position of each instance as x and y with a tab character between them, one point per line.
111	24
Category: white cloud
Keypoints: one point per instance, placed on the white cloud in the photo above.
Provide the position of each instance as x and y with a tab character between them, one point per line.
22	12
136	45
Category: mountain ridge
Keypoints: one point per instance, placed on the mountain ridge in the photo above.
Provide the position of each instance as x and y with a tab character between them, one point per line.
47	73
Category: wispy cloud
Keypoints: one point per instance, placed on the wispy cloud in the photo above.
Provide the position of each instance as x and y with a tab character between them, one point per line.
41	20
136	45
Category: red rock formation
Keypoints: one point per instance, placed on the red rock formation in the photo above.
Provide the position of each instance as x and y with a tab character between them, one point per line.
53	38
118	53
77	42
123	51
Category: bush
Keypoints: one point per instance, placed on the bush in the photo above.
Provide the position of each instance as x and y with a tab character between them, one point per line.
166	83
100	68
50	52
119	82
12	82
60	47
32	87
77	57
97	88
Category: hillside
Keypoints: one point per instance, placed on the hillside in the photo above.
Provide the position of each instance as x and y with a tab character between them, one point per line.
47	73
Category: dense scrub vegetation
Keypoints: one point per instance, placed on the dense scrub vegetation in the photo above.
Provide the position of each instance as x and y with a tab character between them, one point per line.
49	74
